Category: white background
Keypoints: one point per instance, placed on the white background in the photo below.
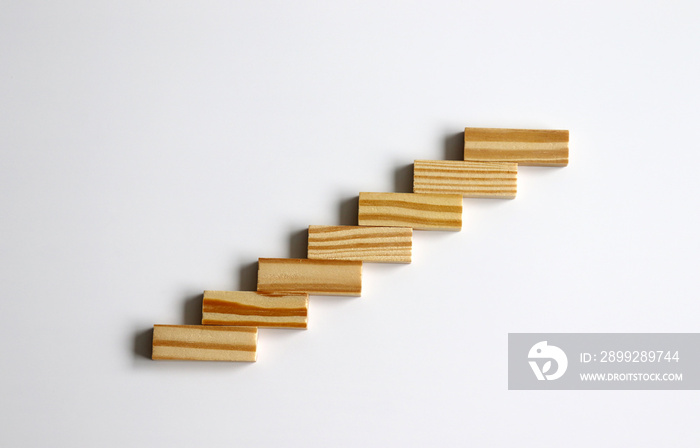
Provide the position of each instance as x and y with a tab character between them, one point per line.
151	150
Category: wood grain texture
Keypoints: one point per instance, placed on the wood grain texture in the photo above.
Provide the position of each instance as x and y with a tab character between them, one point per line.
522	146
470	179
416	210
321	277
249	308
374	244
204	343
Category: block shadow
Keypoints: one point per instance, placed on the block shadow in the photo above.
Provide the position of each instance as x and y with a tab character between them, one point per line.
348	211
299	243
454	146
143	343
192	310
248	277
403	179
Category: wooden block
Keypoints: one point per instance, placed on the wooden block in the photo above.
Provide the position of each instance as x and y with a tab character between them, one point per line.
522	146
377	244
470	179
321	277
416	210
202	343
248	308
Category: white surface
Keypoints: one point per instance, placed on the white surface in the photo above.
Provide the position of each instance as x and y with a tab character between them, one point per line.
151	150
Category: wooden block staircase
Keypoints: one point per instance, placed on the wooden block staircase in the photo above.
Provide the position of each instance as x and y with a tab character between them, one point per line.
230	319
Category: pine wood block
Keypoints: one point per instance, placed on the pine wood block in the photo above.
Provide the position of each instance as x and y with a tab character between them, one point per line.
374	244
522	146
416	210
470	179
204	343
249	308
321	277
